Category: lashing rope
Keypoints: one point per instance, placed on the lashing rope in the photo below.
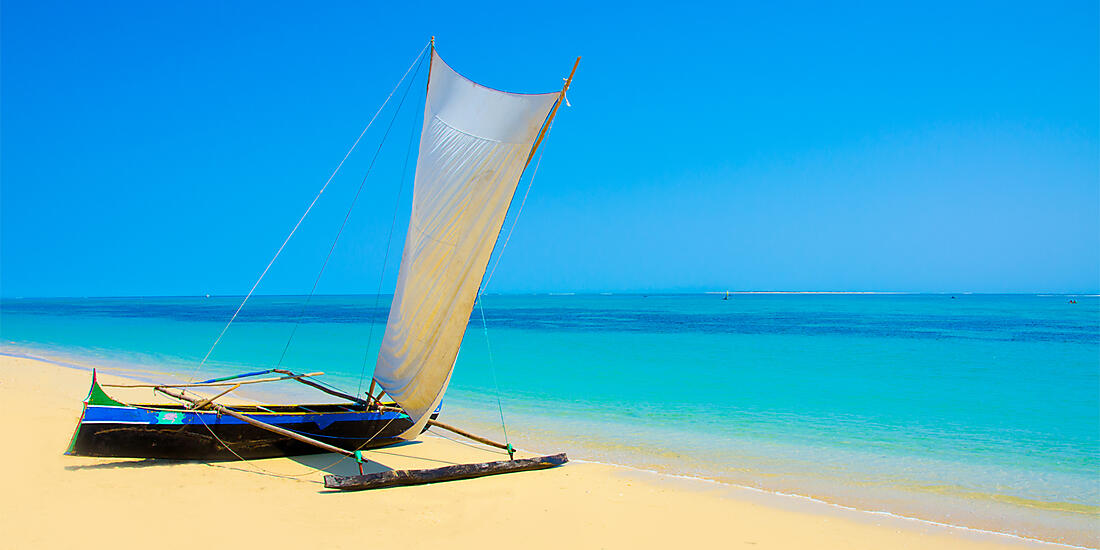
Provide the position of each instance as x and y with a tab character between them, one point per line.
304	214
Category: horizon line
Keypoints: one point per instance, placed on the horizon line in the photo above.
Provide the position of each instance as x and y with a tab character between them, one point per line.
596	293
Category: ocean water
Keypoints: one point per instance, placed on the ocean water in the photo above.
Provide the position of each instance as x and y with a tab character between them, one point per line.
980	411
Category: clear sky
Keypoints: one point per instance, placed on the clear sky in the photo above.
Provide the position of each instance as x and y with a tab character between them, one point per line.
166	148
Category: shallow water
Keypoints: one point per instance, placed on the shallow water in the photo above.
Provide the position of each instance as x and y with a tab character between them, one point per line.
977	410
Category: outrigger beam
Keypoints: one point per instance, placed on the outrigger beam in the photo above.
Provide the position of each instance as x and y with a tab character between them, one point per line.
397	478
298	377
392	478
210	400
313	384
469	435
286	433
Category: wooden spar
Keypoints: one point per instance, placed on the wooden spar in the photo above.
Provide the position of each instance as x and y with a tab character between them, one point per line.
287	433
329	391
212	384
469	435
206	402
458	431
370	392
553	111
396	478
378	399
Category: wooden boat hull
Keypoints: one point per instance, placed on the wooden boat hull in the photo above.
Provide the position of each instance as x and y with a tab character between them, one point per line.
108	428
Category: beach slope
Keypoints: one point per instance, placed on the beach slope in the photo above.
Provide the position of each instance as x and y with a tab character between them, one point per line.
51	500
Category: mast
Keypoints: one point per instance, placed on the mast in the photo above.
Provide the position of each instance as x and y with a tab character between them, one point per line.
554	111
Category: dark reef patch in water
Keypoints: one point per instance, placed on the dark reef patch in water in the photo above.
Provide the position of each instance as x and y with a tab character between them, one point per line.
969	325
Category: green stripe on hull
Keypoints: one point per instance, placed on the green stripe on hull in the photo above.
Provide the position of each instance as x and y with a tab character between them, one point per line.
96	396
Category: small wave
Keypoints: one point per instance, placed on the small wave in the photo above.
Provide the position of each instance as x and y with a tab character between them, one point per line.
831	504
1054	506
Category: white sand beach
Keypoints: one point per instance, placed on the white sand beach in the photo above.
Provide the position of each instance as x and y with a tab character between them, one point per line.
56	501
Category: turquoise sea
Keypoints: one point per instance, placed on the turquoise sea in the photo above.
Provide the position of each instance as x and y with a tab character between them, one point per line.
980	411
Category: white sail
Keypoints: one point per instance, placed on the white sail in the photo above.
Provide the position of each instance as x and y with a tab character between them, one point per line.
473	149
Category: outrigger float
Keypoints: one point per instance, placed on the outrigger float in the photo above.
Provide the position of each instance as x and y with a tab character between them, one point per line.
475	144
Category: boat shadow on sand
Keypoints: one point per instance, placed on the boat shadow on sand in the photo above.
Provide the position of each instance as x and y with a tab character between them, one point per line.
375	460
324	463
118	464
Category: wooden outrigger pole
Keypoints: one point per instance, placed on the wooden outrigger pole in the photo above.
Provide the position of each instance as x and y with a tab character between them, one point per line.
291	376
392	478
470	436
315	385
384	479
263	425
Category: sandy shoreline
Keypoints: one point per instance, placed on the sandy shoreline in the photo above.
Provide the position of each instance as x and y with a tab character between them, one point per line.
53	500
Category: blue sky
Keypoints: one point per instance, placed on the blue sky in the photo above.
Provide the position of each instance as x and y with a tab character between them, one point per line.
166	148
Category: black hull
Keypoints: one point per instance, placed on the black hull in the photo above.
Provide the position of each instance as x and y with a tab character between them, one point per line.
109	428
197	442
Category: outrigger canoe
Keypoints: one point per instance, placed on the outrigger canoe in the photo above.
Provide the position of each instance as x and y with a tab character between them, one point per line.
476	142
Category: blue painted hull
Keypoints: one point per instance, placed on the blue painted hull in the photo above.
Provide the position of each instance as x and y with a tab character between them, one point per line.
172	431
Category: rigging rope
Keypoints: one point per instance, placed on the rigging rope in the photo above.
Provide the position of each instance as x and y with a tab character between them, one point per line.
260	469
492	368
303	474
386	256
508	237
306	213
347	216
481	293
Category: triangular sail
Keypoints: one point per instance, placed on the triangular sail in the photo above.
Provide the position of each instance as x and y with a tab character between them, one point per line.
474	146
